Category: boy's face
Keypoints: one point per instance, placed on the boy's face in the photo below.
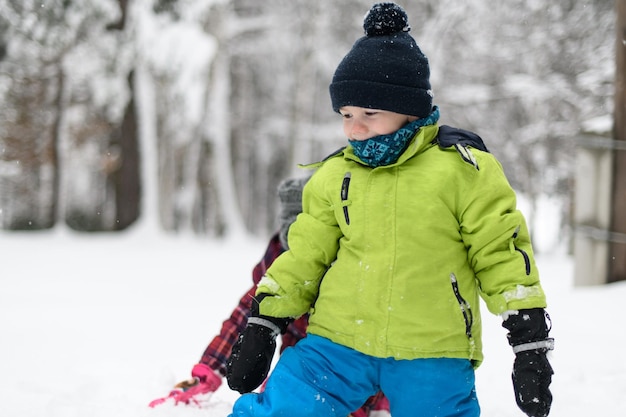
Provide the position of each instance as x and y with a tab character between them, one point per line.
361	123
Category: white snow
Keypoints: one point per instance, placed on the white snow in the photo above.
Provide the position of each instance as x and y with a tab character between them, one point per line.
100	325
601	125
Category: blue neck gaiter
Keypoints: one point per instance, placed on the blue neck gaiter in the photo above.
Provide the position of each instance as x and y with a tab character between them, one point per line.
386	149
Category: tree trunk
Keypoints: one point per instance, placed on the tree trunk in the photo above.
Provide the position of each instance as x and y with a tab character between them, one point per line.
218	127
617	252
127	178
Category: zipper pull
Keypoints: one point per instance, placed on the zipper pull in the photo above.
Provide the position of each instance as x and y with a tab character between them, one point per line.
512	241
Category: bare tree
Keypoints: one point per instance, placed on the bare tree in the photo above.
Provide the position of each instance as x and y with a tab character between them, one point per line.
31	86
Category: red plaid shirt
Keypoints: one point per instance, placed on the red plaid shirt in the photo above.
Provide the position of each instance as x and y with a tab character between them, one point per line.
218	351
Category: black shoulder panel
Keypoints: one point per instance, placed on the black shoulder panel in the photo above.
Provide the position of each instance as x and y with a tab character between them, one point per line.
449	136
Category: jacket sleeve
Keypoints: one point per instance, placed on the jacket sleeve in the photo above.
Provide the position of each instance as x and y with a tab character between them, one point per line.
294	277
498	242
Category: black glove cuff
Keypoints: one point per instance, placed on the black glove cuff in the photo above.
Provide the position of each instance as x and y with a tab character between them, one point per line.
266	321
527	326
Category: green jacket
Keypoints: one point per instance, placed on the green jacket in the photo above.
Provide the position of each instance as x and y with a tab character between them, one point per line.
396	266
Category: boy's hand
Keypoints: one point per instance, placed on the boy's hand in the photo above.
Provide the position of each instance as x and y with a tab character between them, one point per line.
532	373
252	355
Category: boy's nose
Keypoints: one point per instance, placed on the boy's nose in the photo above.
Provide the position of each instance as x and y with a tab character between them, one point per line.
357	130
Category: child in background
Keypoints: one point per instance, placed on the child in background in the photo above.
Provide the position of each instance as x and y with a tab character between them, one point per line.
207	374
401	232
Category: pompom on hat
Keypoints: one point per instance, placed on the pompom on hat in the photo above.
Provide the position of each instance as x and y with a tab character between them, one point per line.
385	69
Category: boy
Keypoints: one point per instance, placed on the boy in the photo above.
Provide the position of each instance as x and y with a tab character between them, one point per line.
401	232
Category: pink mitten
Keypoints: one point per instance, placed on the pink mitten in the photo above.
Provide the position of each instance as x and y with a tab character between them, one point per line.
206	374
206	381
173	394
203	381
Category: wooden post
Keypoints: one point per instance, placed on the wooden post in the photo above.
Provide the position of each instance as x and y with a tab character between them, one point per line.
617	251
592	206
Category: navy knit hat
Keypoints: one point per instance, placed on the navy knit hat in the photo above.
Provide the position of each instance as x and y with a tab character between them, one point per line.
385	69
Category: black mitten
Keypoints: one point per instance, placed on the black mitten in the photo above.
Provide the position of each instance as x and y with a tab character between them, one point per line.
252	355
532	373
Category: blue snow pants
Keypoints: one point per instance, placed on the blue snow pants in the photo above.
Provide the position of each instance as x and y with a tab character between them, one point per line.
319	378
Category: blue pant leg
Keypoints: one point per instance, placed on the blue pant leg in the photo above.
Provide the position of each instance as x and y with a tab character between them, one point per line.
315	378
441	387
286	394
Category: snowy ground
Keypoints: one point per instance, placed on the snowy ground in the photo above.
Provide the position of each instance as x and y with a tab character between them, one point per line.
99	325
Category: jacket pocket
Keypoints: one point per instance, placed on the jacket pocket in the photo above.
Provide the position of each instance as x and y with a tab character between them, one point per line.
466	310
522	252
345	186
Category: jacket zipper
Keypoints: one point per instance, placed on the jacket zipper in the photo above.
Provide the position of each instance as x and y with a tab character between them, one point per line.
465	307
344	195
521	251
